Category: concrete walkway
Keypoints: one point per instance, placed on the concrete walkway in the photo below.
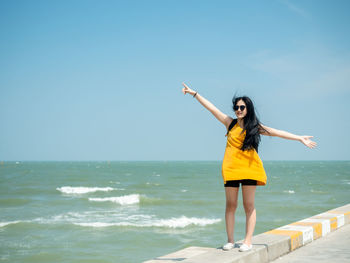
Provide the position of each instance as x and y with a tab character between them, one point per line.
335	247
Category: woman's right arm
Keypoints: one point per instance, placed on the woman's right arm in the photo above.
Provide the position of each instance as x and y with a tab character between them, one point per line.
223	118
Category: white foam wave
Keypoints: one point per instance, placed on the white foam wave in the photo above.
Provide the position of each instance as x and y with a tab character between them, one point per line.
122	200
289	191
346	181
97	219
95	224
184	221
2	224
180	222
82	189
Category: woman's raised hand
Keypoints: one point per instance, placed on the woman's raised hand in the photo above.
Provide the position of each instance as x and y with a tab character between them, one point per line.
186	89
306	140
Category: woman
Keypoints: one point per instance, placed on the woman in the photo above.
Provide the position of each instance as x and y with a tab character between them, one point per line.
241	163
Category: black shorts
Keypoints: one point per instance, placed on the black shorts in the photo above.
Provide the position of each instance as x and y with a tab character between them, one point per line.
235	183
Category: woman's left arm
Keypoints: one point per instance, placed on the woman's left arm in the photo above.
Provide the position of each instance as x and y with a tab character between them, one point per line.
287	135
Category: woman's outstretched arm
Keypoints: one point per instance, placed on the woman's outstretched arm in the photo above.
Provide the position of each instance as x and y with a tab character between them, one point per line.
287	135
223	118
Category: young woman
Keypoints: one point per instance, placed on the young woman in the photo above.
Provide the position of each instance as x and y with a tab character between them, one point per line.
241	163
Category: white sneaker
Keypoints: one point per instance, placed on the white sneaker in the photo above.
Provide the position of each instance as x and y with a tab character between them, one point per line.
228	246
245	247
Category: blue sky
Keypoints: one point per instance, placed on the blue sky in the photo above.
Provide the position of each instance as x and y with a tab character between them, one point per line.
101	80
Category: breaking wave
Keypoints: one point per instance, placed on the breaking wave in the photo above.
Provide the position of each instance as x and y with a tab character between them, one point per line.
175	222
2	224
122	200
82	189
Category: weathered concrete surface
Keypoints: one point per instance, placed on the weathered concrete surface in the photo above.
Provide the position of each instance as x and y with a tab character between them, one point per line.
211	255
274	244
181	255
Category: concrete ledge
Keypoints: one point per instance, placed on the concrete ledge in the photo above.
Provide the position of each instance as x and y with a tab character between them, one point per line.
269	245
182	255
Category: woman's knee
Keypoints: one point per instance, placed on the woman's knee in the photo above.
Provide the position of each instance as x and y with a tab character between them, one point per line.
231	205
248	206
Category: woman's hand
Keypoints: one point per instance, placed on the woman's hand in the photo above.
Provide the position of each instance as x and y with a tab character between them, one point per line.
186	89
306	140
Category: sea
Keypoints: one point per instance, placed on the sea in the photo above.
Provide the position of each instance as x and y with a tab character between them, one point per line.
133	211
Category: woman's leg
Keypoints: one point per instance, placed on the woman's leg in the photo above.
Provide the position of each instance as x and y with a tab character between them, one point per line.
231	205
248	192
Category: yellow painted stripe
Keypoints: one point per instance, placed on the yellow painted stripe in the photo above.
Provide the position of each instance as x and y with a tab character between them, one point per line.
333	221
316	226
295	237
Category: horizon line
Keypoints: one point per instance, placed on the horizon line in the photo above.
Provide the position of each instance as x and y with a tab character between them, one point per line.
268	160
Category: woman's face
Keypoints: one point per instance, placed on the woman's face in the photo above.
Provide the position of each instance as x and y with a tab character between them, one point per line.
240	109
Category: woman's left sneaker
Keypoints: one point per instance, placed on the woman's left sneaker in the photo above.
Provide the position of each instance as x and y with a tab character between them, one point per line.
228	246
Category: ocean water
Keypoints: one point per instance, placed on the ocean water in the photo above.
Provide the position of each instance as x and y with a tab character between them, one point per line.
134	211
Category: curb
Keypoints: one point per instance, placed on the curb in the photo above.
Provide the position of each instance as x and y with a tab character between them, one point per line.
269	245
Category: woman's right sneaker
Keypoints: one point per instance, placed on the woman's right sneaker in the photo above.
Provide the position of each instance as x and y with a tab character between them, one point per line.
228	246
245	247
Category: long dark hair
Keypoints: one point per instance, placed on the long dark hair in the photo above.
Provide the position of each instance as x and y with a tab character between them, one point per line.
252	124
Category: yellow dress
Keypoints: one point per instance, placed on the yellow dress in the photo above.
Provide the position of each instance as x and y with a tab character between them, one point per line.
238	164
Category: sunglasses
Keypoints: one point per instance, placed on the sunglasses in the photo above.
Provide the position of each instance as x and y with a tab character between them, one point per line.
241	107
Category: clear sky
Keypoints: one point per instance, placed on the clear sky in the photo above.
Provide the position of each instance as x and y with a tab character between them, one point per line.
101	80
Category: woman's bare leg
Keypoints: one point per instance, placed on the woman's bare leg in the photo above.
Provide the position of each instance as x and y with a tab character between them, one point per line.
231	205
248	192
